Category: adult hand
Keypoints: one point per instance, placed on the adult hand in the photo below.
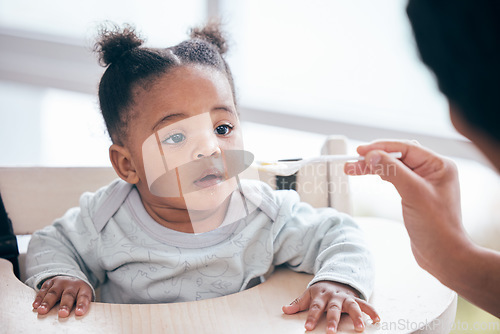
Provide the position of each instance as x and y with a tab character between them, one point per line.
68	290
334	299
429	188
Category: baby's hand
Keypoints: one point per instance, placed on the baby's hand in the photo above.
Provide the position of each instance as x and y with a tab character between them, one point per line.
66	289
334	299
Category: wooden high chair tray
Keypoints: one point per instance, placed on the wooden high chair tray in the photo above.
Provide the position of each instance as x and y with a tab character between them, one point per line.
407	298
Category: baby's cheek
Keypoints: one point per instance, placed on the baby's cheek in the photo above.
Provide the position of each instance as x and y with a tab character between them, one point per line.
236	140
167	185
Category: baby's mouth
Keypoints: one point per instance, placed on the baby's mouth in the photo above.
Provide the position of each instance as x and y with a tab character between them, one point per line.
209	177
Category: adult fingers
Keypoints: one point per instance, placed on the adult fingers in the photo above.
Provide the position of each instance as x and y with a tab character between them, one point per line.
404	146
372	163
413	156
390	169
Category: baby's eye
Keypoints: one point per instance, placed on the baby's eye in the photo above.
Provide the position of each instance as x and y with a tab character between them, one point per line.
224	129
176	138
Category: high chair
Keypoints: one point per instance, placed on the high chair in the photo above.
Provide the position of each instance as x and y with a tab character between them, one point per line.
407	298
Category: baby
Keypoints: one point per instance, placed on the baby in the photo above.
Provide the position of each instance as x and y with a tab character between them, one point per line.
179	224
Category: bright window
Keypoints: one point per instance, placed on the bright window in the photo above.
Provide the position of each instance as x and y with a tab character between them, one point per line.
164	22
352	61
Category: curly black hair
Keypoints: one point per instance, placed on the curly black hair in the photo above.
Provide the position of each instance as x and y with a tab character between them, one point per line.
459	40
129	63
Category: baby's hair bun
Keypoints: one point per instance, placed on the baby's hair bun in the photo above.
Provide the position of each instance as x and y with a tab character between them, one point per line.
115	41
212	34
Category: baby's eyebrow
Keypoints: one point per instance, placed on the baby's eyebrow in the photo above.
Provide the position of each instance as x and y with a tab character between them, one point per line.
224	108
171	118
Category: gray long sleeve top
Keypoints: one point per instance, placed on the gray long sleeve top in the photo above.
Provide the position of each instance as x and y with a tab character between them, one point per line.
111	242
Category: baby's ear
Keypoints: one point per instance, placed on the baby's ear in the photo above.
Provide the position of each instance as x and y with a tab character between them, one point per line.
123	164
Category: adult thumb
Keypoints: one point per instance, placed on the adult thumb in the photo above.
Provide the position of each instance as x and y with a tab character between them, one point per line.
393	170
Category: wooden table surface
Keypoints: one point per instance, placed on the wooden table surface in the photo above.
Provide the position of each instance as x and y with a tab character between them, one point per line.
407	298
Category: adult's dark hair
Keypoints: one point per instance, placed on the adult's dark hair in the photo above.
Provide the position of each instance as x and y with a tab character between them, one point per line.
459	40
130	64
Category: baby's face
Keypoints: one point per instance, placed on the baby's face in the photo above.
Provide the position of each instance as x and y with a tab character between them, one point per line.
186	136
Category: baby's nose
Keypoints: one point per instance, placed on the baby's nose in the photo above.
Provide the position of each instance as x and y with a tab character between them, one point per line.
207	146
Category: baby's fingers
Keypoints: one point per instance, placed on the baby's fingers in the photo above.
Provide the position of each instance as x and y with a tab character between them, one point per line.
333	313
355	307
83	301
68	298
316	309
81	294
299	304
47	297
351	307
42	292
370	310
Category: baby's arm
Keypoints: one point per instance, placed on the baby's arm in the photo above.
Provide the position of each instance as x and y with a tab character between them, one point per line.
68	290
61	263
330	245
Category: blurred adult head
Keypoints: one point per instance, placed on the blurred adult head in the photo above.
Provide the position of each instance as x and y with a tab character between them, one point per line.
459	40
